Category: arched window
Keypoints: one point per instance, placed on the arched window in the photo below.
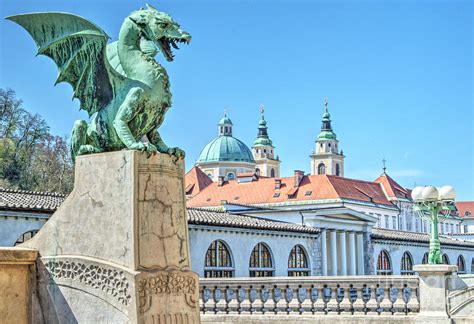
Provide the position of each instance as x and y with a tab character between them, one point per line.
384	267
461	264
321	168
209	175
218	262
425	258
26	236
445	259
261	263
298	262
406	268
230	176
272	173
338	169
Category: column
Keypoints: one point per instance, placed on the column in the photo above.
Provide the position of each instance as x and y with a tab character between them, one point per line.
342	240
352	254
324	253
333	253
360	253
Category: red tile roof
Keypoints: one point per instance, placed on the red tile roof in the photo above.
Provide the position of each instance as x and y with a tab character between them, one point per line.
314	187
465	206
392	188
196	180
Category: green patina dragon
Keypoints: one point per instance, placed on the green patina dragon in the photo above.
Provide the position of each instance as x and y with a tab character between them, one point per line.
120	85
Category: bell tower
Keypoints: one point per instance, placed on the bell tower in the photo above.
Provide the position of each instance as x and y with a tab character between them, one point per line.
326	157
264	152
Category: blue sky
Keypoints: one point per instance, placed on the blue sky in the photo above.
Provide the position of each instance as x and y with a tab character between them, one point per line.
398	75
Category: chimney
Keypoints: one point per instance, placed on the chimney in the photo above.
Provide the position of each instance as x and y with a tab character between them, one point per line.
277	183
220	181
297	177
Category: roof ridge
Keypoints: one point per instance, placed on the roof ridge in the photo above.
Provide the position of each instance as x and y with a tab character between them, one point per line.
31	192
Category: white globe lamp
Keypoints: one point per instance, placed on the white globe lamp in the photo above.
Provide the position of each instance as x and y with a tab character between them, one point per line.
447	193
416	193
430	193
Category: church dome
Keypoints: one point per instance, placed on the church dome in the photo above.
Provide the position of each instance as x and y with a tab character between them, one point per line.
226	148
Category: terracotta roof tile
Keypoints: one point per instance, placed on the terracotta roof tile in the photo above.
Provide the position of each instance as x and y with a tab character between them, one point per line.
219	218
314	187
196	180
30	200
392	188
386	234
465	208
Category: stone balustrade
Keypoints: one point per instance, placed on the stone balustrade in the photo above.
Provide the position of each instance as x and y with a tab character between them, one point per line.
349	295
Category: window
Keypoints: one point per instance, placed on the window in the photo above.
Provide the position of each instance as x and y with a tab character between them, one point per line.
26	236
425	258
272	173
387	225
230	176
394	222
298	262
261	264
406	268
445	259
384	266
472	265
461	264
209	175
321	168
218	263
338	169
452	228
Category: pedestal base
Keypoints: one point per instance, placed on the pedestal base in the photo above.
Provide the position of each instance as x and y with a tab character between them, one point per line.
117	249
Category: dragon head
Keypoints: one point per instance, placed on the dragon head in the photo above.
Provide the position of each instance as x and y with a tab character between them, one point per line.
158	28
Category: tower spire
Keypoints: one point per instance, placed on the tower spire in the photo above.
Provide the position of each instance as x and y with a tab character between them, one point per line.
384	165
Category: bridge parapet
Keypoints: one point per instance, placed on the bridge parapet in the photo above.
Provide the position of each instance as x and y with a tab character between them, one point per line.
354	295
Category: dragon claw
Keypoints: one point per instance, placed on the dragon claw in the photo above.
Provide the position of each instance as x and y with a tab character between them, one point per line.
176	151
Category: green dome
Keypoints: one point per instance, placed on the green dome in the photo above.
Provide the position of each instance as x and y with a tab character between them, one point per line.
226	148
261	141
225	121
326	135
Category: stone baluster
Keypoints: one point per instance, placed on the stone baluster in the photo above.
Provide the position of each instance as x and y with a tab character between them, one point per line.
217	297
252	298
240	299
372	302
206	295
288	298
264	295
313	295
276	298
229	296
301	299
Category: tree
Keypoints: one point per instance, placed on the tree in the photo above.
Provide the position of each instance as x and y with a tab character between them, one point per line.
30	157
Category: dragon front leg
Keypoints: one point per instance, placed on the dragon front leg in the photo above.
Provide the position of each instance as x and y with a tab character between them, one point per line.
126	112
155	139
81	141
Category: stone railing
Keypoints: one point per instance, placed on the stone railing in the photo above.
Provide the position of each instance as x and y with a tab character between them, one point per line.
358	295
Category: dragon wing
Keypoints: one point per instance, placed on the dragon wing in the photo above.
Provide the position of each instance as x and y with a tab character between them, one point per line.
78	47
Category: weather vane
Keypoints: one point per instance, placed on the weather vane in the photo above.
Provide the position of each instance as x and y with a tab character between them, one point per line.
326	103
226	110
384	165
262	109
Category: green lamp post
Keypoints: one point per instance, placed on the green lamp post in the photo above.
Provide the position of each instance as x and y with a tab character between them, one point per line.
432	203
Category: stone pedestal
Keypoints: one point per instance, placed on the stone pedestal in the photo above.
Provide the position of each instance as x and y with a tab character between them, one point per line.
433	286
17	285
117	249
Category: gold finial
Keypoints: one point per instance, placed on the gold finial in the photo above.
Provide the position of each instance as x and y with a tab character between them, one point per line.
262	109
326	103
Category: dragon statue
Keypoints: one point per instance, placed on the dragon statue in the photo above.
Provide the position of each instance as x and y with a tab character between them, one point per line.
125	91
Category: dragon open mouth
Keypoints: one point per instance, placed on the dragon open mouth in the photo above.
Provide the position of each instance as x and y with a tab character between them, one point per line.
167	44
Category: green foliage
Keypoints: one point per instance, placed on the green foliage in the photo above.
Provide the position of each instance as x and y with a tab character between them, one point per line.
30	157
